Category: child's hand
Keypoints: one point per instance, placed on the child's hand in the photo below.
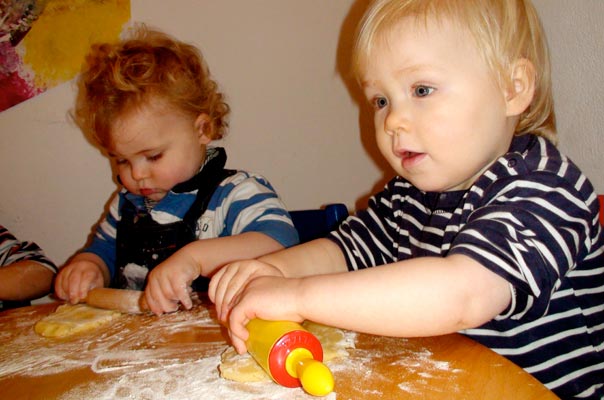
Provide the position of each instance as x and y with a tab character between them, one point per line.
77	278
231	279
170	283
266	297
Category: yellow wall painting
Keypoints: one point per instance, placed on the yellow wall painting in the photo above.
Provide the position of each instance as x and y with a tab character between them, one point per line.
43	42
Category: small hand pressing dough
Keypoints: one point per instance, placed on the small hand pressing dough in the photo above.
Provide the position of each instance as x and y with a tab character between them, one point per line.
243	368
70	319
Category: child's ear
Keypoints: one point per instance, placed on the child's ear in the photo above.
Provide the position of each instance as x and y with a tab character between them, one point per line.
521	91
203	128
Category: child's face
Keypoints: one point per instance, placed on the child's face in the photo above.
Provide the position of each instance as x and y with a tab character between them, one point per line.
155	148
440	117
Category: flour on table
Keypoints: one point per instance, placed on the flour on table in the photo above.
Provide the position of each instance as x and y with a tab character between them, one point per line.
177	357
136	357
193	380
243	368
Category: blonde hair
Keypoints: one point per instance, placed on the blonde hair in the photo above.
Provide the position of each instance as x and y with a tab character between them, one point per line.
149	65
505	31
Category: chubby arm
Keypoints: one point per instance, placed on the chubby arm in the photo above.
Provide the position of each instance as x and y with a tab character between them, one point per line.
319	256
84	272
25	280
419	297
169	282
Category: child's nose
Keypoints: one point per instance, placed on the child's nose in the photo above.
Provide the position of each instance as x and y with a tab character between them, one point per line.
397	121
139	171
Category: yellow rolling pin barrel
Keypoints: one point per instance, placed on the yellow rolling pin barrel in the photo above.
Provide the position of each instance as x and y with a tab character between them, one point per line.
291	355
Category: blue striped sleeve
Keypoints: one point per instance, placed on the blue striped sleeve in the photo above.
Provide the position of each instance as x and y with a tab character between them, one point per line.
247	202
104	240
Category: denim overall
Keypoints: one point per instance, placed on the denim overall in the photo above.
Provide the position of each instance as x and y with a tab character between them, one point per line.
142	243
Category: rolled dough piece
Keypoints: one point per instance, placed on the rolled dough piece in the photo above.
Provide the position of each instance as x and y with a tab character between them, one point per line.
243	368
70	319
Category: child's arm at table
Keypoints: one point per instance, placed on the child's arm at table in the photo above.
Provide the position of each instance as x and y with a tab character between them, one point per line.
419	297
319	256
24	280
169	282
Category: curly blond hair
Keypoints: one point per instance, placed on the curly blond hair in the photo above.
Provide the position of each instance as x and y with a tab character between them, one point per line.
148	65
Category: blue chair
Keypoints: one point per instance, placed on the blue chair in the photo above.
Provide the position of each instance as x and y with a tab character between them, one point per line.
317	223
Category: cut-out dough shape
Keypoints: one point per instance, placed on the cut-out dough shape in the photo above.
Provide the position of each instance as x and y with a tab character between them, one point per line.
243	368
70	319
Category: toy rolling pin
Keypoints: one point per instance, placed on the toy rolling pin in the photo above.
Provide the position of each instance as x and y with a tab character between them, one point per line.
291	355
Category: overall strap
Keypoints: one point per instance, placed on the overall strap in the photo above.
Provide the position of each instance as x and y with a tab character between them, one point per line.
204	195
205	182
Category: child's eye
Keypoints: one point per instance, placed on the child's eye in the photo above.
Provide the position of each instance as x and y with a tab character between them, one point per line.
154	157
120	161
423	91
379	103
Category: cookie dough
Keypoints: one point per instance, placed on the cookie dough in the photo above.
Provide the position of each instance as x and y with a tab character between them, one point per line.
243	368
70	319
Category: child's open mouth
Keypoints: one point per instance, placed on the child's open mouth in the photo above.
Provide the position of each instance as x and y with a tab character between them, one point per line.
410	158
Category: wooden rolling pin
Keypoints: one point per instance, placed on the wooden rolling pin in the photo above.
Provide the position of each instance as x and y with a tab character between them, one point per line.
126	301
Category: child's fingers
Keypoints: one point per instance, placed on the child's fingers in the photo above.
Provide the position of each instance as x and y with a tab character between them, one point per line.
89	278
164	305
74	290
151	302
180	291
231	297
60	290
219	286
74	282
160	298
153	293
184	295
94	279
230	281
213	286
238	333
64	283
238	344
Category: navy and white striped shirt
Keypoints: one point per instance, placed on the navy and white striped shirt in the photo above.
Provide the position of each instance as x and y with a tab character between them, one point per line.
531	218
13	250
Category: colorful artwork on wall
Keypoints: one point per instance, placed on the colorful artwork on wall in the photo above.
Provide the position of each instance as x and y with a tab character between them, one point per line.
43	42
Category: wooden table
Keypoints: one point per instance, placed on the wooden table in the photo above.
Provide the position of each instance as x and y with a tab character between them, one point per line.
176	357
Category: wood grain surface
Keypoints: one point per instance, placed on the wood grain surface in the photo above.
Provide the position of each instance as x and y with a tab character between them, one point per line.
176	356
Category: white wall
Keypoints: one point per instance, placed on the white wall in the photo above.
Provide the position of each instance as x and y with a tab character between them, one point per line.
294	118
576	38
